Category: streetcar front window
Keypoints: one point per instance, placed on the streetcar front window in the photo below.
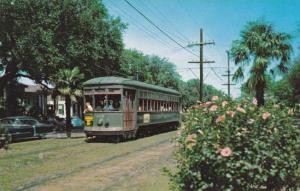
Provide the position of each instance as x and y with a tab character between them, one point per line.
108	102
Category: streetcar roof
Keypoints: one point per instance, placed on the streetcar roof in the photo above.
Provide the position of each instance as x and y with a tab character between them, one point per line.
112	80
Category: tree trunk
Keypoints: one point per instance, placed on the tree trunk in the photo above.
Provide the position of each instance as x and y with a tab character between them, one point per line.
10	99
68	116
260	91
8	82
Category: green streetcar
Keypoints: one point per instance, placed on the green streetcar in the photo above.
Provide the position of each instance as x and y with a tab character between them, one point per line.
121	107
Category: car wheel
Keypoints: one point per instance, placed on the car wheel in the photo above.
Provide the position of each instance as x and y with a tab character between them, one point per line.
9	138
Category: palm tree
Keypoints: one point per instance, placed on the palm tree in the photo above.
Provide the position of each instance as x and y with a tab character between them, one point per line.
263	48
68	84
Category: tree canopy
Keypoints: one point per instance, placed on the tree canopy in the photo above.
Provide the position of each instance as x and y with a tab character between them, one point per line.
39	36
150	69
190	92
287	89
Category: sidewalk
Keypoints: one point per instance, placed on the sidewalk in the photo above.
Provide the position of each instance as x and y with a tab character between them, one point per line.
58	135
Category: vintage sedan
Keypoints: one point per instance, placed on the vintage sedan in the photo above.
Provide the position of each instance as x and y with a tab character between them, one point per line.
24	127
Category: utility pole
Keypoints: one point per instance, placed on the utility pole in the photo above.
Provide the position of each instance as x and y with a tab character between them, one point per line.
201	62
228	74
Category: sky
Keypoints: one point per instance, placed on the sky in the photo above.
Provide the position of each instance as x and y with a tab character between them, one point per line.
221	21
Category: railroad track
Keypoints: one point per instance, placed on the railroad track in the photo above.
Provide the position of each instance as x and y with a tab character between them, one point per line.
61	174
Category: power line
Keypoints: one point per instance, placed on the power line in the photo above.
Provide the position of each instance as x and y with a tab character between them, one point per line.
197	23
199	67
157	27
143	28
164	17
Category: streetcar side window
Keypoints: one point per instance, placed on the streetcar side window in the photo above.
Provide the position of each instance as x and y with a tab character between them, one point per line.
141	105
153	105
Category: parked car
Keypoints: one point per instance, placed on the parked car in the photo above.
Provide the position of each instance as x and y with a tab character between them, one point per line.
25	126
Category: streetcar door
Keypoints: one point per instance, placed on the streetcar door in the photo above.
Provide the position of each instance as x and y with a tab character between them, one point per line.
129	109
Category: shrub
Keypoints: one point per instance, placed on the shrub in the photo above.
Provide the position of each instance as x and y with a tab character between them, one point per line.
235	145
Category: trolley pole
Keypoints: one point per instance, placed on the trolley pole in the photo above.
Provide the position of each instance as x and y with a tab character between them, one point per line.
201	62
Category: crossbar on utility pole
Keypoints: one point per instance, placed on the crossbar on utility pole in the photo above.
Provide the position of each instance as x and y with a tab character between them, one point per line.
228	74
201	62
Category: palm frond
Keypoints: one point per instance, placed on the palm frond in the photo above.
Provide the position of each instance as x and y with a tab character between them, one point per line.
64	90
73	98
77	92
240	53
260	65
238	75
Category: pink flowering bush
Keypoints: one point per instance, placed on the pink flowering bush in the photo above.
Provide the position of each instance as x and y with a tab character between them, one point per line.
235	145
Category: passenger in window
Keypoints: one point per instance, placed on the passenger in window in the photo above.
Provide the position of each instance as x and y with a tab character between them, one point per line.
110	106
161	108
116	105
105	108
100	106
88	107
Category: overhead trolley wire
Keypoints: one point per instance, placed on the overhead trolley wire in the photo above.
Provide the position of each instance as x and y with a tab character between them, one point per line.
164	17
157	27
197	23
140	26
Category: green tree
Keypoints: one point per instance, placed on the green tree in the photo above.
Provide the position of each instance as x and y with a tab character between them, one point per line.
39	36
150	69
68	84
260	45
190	92
288	88
294	79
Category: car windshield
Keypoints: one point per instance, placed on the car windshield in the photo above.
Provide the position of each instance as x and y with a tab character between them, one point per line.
7	121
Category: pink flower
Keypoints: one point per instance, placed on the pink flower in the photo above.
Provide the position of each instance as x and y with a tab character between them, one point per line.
178	133
254	101
206	104
191	141
221	118
213	108
224	103
230	113
191	138
226	152
266	115
215	98
240	109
